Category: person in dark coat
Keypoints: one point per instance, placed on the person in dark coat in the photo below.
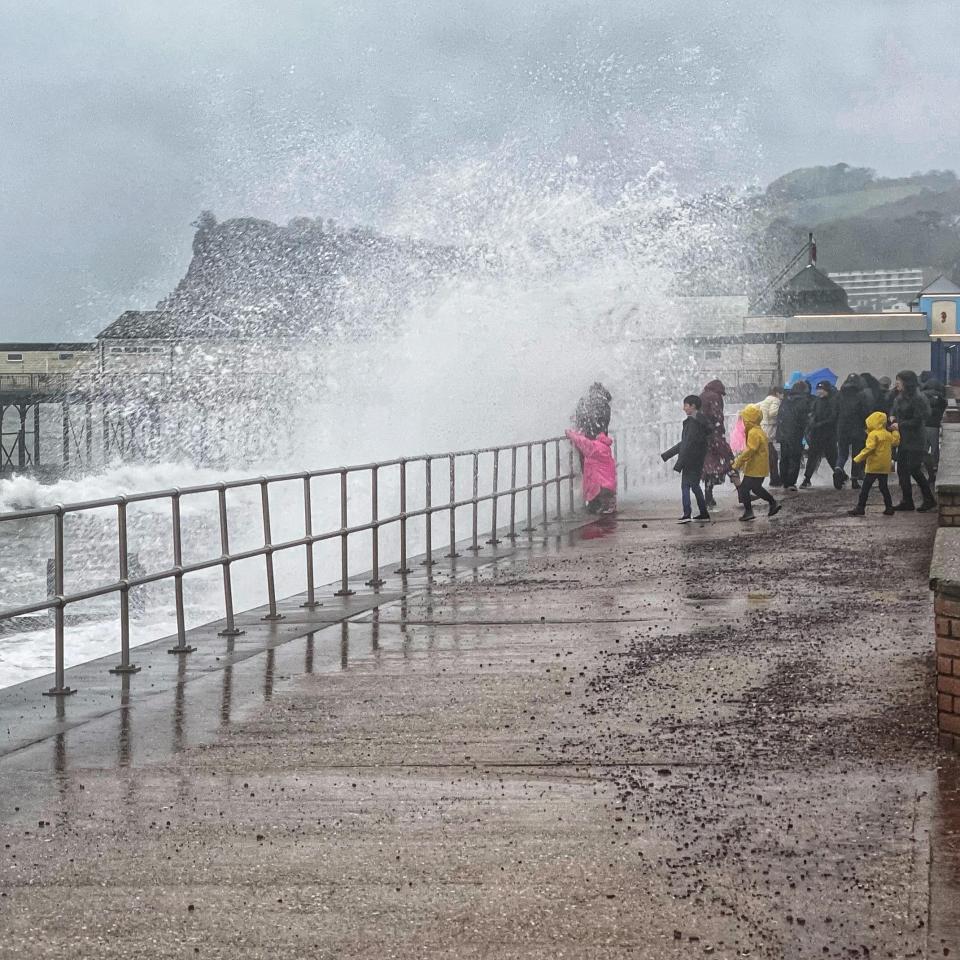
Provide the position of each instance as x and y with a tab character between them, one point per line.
691	452
910	412
936	397
592	416
854	405
886	396
791	426
717	465
878	396
821	431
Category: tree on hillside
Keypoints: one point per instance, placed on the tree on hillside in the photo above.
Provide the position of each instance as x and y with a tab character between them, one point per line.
809	182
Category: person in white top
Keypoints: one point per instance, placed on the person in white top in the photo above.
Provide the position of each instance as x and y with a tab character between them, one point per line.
770	407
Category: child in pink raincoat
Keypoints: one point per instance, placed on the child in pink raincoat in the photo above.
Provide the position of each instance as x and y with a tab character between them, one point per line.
599	471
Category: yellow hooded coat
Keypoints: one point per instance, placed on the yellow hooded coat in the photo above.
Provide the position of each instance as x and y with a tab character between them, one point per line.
754	459
878	452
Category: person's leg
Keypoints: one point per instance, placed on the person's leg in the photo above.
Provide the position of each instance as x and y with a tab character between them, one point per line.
701	500
814	453
929	501
685	497
708	492
906	488
772	459
885	493
868	482
761	492
746	489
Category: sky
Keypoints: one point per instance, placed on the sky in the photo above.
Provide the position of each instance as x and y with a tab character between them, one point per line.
120	121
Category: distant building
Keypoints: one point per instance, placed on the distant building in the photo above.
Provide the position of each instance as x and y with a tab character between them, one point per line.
810	291
875	291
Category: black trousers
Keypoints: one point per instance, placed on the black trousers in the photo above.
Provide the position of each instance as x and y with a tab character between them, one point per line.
774	460
869	479
850	444
790	454
821	448
753	486
910	466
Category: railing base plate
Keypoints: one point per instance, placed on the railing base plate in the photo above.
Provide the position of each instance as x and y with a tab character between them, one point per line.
345	593
231	633
183	648
312	605
272	617
129	668
59	691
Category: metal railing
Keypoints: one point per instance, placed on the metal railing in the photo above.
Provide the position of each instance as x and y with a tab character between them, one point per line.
520	457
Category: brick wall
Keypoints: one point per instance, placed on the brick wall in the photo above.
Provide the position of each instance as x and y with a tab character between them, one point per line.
949	508
947	619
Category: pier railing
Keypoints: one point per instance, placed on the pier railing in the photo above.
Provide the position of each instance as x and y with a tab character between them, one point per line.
536	470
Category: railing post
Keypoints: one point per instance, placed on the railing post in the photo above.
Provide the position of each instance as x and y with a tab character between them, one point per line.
268	546
59	688
403	569
543	480
513	493
231	629
475	545
559	483
428	561
124	666
344	590
494	540
452	554
311	602
182	645
375	579
529	528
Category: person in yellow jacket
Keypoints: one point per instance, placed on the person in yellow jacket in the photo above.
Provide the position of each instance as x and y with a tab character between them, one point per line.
754	460
877	456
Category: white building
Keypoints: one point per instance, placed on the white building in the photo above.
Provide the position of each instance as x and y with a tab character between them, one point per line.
873	291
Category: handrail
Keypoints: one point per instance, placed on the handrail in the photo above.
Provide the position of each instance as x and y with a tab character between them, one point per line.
542	480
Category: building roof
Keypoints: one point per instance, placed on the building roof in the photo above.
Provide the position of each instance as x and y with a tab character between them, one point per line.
810	278
941	286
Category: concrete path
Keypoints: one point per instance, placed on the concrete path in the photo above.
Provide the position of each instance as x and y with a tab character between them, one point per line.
640	740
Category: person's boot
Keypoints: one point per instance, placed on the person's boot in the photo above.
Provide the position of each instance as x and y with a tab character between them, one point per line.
806	483
928	504
889	512
747	514
855	484
775	508
904	506
702	517
857	512
839	477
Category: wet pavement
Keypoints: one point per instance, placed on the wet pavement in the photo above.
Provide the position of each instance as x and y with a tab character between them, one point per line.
628	740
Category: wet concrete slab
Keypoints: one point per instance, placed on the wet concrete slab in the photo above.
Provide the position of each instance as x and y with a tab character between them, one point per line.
624	741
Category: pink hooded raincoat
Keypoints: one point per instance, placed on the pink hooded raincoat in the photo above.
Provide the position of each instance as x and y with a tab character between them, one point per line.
599	467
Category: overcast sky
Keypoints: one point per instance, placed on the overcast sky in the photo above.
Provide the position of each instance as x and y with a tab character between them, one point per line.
120	121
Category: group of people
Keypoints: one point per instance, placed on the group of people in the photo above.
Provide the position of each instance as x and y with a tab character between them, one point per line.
867	421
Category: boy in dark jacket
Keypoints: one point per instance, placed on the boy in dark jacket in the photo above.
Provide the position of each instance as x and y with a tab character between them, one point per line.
936	398
791	426
822	431
691	452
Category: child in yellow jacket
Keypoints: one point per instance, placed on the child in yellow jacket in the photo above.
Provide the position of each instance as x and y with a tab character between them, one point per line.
755	461
878	458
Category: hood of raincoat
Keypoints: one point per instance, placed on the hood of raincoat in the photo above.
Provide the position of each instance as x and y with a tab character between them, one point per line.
877	420
933	385
600	390
853	384
751	415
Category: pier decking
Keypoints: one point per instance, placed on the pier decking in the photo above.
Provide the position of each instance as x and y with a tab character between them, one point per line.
623	739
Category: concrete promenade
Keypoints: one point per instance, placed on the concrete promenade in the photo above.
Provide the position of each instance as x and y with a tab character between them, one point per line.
626	740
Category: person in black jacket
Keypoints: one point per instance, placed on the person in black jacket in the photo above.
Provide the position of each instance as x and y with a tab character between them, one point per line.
910	411
822	431
936	397
691	452
791	426
592	416
854	405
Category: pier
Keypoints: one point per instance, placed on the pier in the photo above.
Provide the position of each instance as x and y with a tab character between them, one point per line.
599	739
